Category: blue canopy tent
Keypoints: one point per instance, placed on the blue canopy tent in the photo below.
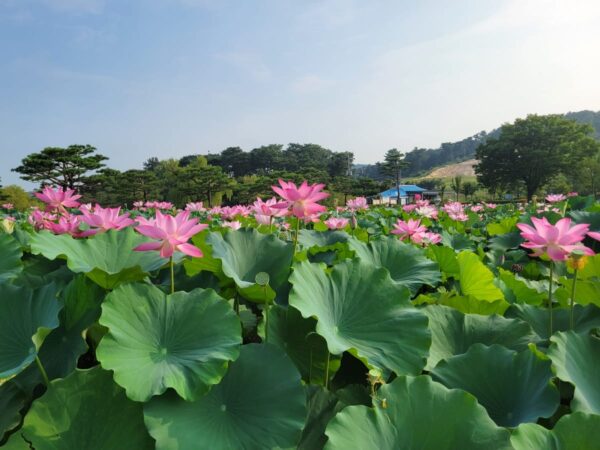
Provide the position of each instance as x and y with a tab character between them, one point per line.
406	192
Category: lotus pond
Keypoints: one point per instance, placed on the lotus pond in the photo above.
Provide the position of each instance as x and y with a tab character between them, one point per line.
286	325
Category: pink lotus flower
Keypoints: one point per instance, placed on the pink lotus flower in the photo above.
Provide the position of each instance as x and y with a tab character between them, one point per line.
268	208
102	219
490	205
405	230
195	207
234	225
336	223
556	242
67	224
409	208
427	238
477	208
594	235
302	200
261	219
357	204
455	211
172	234
41	220
572	194
138	205
58	200
159	205
428	211
8	206
230	212
555	198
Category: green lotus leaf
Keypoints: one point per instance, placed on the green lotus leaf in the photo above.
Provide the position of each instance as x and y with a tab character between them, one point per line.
26	318
260	404
296	336
468	304
311	238
107	258
585	318
476	279
513	387
360	309
244	253
506	225
406	263
10	262
446	258
183	340
591	269
459	242
453	333
65	344
414	413
503	242
588	291
85	410
39	271
323	405
576	358
577	431
522	290
12	401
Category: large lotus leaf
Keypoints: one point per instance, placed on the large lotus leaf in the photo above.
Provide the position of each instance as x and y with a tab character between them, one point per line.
85	410
505	225
470	305
10	262
453	333
12	401
576	358
296	336
65	344
577	431
260	404
446	258
459	242
181	341
245	253
412	413
476	279
406	263
360	309
26	318
311	238
513	387
503	242
585	318
522	290
587	291
323	405
107	258
39	271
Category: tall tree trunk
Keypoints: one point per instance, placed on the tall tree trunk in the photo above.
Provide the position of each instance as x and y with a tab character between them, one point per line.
398	187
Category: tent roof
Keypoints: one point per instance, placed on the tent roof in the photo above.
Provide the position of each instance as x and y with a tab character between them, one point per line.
405	191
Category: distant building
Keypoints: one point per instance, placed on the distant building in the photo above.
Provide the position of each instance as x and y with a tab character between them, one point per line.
407	195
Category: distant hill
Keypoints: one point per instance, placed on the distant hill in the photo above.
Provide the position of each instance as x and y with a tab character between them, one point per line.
463	169
423	160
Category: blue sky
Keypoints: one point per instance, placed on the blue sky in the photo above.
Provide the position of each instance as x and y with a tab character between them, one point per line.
166	78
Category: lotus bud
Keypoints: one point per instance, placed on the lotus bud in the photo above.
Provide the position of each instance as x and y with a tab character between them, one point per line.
8	225
577	260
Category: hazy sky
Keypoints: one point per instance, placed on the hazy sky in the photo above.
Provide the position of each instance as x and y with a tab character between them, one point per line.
166	78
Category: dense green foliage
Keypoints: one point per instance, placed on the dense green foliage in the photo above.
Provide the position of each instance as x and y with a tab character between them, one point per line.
328	339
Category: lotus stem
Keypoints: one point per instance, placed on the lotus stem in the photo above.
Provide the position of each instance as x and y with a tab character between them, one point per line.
172	274
296	234
266	314
42	371
550	294
327	370
572	305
